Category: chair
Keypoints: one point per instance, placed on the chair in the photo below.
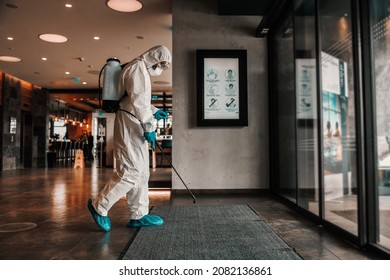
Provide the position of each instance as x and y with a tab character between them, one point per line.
64	147
73	151
58	150
166	146
55	153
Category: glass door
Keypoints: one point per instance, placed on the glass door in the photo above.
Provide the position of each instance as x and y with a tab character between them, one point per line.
330	139
308	195
284	117
294	97
338	115
380	37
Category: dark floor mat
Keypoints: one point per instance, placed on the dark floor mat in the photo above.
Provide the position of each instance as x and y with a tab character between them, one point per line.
204	232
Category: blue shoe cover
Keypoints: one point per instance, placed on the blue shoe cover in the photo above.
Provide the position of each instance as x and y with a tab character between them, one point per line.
146	221
102	221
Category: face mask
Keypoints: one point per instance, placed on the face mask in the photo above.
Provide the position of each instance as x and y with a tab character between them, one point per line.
155	72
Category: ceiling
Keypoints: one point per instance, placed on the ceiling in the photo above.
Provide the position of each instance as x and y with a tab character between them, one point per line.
122	35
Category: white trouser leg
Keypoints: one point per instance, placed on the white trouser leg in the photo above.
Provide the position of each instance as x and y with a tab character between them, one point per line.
138	199
115	188
128	182
132	170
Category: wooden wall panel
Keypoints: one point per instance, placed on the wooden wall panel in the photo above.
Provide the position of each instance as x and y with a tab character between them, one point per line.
26	96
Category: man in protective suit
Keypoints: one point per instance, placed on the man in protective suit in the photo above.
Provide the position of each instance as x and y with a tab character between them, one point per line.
131	137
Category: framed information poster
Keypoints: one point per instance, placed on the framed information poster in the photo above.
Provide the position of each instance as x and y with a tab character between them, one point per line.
305	85
222	88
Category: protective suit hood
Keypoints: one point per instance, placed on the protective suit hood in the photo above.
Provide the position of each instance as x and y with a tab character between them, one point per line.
156	55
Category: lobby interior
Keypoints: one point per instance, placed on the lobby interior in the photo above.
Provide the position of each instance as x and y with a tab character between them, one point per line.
325	205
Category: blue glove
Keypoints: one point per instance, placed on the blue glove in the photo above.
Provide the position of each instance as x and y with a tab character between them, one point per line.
151	138
160	114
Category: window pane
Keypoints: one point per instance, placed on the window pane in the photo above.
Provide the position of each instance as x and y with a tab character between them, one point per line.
381	51
338	98
60	129
306	105
283	84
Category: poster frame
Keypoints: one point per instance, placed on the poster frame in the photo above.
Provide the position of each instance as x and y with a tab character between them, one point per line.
228	56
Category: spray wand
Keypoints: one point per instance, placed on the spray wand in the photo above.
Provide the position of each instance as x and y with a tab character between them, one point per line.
174	169
162	151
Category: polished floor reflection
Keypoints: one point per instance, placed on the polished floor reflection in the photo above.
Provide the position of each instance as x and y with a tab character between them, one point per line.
55	200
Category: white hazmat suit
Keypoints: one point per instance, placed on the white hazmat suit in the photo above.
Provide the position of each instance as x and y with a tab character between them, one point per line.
130	147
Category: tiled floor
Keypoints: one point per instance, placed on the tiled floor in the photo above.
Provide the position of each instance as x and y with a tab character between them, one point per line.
55	199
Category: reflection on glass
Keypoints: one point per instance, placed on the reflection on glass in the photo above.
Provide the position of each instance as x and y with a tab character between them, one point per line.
306	105
381	50
338	98
283	84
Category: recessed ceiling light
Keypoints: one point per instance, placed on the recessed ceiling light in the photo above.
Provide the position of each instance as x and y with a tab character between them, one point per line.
10	58
44	58
84	83
124	5
53	38
67	73
12	6
68	5
10	38
96	38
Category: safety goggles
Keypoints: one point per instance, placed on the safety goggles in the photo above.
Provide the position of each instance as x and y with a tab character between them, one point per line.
163	65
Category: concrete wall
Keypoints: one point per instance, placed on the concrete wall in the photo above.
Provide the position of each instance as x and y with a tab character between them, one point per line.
216	157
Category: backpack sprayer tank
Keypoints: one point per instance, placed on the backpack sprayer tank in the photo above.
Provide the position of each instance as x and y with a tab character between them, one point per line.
110	95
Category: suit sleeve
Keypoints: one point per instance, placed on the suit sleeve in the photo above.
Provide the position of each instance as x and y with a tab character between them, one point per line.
138	87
